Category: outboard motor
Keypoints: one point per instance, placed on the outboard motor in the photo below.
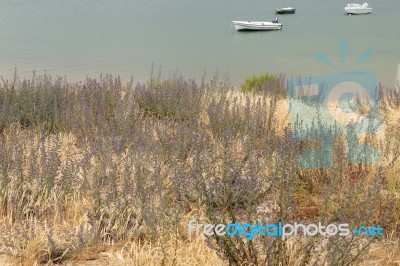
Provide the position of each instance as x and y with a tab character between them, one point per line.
275	20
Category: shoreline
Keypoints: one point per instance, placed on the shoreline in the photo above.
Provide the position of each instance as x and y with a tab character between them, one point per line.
76	77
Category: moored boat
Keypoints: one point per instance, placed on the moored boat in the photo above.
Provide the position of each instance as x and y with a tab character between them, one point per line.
285	10
257	25
357	9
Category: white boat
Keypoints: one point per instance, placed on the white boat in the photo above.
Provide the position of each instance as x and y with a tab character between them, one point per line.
356	9
257	25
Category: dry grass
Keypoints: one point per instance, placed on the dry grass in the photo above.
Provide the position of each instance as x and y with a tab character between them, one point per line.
113	182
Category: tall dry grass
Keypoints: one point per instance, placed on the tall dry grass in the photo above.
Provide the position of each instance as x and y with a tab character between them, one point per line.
98	171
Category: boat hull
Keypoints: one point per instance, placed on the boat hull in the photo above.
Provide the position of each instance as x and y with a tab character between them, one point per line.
256	26
285	11
358	11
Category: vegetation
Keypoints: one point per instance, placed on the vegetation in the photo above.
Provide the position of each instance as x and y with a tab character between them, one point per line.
255	83
264	82
106	172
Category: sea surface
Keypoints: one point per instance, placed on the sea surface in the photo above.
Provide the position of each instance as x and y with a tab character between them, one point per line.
79	38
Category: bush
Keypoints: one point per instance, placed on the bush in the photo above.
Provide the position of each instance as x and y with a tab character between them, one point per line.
174	98
267	84
255	83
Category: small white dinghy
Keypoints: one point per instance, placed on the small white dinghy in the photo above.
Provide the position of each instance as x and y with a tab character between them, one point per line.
257	25
357	9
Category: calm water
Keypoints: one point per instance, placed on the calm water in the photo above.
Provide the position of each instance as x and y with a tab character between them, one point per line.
124	37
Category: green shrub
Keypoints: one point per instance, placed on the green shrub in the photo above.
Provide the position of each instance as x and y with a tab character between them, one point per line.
255	83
